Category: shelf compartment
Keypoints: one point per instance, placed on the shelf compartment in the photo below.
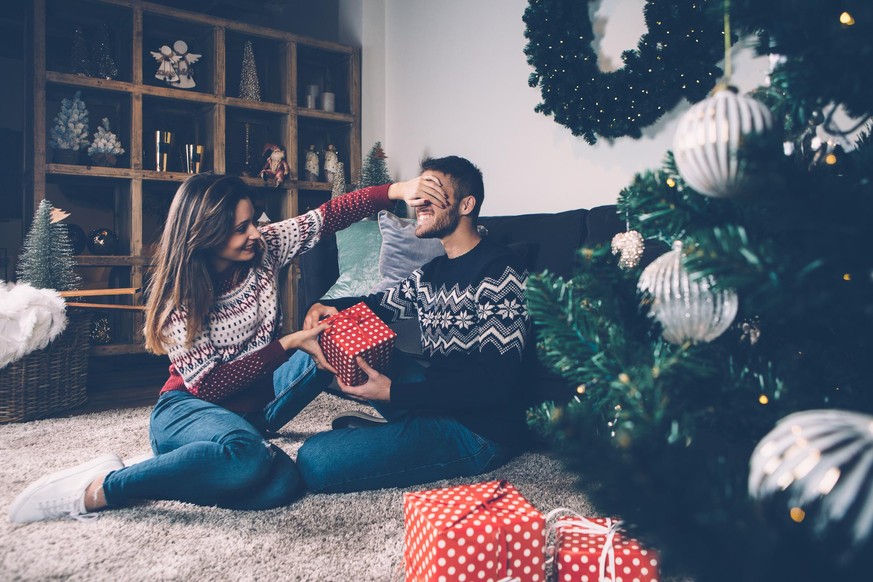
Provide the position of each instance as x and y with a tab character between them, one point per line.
94	203
189	122
99	103
264	128
161	31
321	133
268	62
327	70
307	200
156	199
62	18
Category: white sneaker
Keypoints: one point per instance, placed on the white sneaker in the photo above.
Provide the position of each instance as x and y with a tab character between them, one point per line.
61	494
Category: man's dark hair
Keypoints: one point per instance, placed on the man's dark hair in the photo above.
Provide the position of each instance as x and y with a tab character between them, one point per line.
466	178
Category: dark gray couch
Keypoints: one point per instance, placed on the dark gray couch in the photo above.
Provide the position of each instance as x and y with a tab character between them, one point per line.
547	241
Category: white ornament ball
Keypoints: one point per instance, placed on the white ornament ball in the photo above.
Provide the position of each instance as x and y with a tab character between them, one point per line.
709	138
688	310
823	461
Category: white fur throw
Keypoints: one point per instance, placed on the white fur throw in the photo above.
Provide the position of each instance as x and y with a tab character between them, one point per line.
29	319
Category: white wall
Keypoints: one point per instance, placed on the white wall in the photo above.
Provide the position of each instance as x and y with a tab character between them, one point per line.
455	82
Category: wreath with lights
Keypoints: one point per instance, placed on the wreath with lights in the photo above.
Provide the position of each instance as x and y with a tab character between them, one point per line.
676	58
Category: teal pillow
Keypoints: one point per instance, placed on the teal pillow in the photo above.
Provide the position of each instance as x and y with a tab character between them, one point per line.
358	260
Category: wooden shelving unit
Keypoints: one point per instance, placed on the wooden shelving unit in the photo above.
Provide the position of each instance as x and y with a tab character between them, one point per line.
132	198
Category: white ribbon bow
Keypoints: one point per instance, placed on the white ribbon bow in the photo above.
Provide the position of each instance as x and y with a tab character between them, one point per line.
571	522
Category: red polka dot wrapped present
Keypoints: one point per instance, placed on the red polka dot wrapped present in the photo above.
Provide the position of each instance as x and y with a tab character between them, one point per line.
594	550
486	532
357	331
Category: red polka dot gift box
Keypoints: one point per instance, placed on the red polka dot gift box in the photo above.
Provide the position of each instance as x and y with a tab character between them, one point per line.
594	549
357	331
483	532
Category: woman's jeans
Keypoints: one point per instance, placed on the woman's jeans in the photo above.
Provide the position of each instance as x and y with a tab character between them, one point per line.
208	455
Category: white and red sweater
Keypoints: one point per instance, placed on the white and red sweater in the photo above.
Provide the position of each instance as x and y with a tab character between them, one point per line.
232	359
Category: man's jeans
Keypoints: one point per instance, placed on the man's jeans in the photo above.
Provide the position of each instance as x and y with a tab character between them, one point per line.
208	455
410	449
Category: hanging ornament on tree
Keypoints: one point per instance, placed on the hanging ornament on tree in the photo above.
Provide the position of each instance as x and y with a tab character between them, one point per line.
631	246
687	309
823	462
710	138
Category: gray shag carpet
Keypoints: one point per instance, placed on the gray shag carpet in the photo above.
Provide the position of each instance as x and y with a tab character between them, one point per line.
323	537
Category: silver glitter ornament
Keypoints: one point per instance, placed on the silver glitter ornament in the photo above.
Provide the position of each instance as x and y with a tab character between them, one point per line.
688	310
823	461
709	138
631	246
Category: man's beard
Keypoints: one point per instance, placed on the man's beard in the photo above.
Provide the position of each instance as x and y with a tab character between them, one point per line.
440	226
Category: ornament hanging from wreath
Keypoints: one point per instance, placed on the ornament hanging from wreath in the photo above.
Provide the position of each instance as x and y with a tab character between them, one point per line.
676	58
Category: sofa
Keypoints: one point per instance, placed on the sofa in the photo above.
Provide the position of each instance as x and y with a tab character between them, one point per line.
545	241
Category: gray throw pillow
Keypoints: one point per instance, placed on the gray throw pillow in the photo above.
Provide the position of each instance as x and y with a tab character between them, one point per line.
402	252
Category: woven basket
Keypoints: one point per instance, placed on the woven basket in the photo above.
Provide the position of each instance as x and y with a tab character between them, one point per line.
49	380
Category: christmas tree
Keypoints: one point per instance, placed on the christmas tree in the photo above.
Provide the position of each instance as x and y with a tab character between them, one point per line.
104	60
46	259
338	188
70	131
249	87
678	369
375	170
80	58
105	148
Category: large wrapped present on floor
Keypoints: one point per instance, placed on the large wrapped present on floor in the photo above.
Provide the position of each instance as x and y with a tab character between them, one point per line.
357	331
595	549
486	531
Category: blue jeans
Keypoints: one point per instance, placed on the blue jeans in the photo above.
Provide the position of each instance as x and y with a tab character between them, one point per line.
410	449
208	455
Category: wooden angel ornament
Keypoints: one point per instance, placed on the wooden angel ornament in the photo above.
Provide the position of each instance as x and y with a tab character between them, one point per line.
175	65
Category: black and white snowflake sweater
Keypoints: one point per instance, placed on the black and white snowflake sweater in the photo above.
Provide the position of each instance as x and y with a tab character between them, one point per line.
475	332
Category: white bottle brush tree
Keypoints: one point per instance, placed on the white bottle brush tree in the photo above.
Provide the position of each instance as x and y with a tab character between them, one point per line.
70	132
46	260
105	148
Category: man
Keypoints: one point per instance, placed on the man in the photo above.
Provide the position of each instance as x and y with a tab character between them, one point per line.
463	414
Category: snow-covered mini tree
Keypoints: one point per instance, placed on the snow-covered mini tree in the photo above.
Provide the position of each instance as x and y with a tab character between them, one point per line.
70	132
105	148
46	260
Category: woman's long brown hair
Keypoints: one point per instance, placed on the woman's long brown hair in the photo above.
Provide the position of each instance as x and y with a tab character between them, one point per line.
200	221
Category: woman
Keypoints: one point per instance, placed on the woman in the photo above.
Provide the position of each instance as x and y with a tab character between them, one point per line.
213	307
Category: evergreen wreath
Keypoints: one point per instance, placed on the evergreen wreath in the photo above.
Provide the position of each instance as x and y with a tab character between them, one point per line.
676	58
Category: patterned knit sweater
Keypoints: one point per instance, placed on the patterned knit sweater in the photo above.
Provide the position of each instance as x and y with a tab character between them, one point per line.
232	359
475	330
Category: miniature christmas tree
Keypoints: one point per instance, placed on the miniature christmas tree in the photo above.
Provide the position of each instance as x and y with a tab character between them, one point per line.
105	148
70	132
339	182
103	59
80	58
375	170
46	260
375	173
249	88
